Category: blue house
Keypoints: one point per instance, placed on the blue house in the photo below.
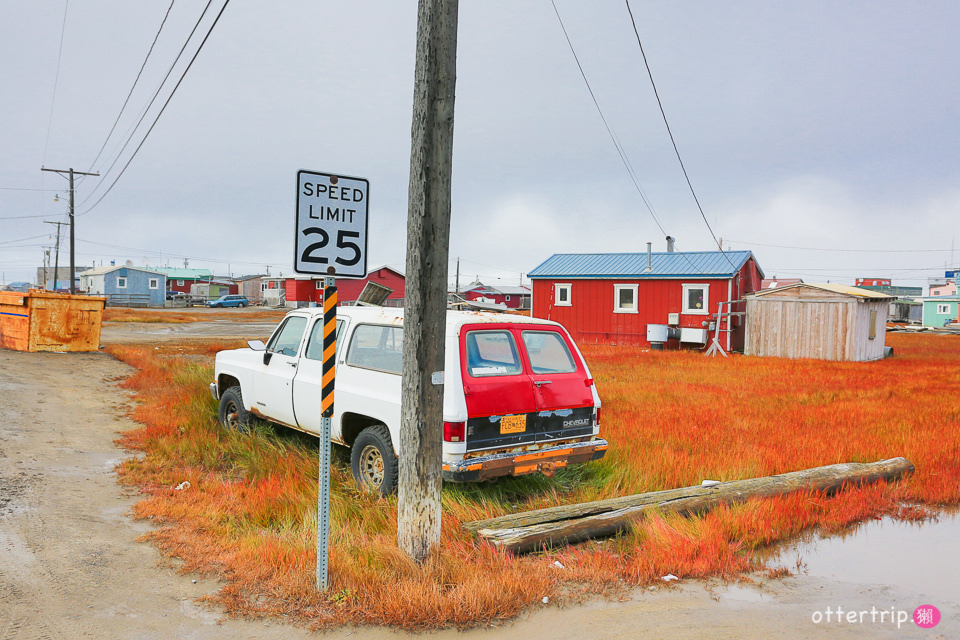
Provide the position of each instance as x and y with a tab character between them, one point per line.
126	286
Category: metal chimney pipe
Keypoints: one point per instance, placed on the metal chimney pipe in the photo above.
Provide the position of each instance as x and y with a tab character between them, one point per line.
649	257
669	244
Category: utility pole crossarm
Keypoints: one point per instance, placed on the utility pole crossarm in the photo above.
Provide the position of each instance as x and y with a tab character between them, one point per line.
70	173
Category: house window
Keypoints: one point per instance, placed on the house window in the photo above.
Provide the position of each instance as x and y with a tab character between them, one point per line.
696	297
943	309
561	295
318	284
179	283
154	283
625	298
506	298
937	292
263	286
121	283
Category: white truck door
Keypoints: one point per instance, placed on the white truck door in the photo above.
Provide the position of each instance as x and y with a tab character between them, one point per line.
273	382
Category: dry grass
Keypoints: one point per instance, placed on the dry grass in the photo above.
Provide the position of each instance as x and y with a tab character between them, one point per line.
673	419
176	316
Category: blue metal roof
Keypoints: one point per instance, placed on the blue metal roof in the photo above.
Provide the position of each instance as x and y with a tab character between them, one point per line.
675	264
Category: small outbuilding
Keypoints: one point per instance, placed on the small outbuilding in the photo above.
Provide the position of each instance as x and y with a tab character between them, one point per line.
818	321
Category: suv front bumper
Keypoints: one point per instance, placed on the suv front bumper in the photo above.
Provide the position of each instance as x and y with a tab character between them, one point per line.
516	463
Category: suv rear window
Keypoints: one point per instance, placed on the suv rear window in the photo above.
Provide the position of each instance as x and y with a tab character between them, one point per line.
491	353
548	352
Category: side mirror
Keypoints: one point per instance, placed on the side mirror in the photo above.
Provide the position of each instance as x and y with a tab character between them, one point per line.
266	356
256	345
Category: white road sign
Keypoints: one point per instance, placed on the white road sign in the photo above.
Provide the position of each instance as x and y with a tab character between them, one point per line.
331	230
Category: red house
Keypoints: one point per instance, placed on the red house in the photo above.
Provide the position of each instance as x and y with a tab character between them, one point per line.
301	291
514	297
612	298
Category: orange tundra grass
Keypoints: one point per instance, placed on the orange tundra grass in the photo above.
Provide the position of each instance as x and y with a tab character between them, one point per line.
673	419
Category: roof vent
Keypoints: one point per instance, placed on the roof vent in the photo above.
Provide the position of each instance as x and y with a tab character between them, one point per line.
649	258
669	244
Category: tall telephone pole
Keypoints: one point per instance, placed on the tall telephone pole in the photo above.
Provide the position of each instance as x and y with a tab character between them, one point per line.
428	241
73	267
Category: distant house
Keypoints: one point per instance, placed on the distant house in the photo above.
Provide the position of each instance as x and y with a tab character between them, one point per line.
251	287
773	283
613	298
60	281
348	289
125	286
945	289
272	291
212	289
181	279
818	321
938	311
514	297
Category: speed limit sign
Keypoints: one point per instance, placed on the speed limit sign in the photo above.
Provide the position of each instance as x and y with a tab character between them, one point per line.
331	235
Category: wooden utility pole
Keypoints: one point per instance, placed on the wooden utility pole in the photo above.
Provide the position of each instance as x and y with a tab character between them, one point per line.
56	264
428	240
71	173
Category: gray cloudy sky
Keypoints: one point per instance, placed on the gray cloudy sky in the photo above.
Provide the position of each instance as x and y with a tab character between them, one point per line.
823	136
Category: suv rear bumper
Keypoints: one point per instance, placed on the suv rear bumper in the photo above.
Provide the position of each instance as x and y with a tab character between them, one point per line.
523	462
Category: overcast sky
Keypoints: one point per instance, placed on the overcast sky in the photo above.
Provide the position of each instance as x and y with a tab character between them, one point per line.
823	136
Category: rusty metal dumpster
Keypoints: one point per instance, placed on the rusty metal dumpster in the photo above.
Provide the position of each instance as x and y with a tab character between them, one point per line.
46	321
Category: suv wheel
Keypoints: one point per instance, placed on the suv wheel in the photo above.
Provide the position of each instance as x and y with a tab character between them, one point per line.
232	414
373	462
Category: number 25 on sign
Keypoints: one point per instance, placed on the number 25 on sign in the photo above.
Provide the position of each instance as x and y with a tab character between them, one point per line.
331	231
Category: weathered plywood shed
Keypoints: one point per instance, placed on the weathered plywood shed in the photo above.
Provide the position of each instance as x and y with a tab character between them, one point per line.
818	321
46	321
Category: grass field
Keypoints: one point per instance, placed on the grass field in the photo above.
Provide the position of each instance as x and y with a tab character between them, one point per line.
673	419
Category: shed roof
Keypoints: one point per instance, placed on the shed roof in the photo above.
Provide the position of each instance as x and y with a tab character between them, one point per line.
842	289
672	264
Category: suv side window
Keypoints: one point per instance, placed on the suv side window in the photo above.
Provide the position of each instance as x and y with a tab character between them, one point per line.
492	353
548	352
377	347
287	340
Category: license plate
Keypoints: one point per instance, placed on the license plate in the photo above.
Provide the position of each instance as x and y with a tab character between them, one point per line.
513	424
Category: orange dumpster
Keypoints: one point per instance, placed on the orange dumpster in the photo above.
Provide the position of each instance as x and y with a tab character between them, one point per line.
46	321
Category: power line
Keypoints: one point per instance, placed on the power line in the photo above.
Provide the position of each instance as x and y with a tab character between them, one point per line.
613	137
56	79
135	81
162	109
783	246
672	140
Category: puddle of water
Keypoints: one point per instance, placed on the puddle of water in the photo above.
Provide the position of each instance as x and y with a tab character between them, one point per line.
919	557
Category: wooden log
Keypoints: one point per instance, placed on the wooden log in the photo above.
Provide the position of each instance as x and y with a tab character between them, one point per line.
533	530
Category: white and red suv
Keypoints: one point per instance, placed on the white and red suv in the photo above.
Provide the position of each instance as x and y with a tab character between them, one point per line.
518	395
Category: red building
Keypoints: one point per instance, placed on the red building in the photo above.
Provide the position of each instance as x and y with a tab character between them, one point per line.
611	298
873	282
348	290
301	291
514	297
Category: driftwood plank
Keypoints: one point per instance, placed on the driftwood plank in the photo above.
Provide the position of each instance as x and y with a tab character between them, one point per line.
533	530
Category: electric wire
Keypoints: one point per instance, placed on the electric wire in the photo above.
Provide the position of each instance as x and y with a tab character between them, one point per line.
56	79
135	81
670	133
162	109
783	246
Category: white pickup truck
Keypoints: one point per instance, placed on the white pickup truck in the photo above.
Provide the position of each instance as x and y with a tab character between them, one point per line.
518	395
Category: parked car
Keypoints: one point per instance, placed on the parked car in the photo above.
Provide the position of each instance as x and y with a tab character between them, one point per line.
518	396
229	301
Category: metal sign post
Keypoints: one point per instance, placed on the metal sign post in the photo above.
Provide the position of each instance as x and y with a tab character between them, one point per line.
326	407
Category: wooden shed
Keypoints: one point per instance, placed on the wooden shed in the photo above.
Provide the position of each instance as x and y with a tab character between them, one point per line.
46	321
818	321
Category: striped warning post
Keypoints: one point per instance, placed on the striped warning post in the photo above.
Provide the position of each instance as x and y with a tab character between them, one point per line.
329	349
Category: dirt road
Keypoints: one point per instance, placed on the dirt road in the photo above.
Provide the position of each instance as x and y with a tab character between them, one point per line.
71	566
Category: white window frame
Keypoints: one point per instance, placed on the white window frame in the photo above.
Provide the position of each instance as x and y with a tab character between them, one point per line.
943	309
556	294
154	283
318	284
706	299
121	282
506	298
617	308
179	283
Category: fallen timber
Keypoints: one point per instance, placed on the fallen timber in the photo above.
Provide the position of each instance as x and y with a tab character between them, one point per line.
534	530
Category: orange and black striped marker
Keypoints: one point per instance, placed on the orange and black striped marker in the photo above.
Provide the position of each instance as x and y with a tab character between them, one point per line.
329	349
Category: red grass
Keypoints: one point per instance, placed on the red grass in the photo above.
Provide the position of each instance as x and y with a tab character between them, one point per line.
673	419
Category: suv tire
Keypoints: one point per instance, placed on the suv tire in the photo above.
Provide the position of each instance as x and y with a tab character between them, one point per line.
372	461
232	414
